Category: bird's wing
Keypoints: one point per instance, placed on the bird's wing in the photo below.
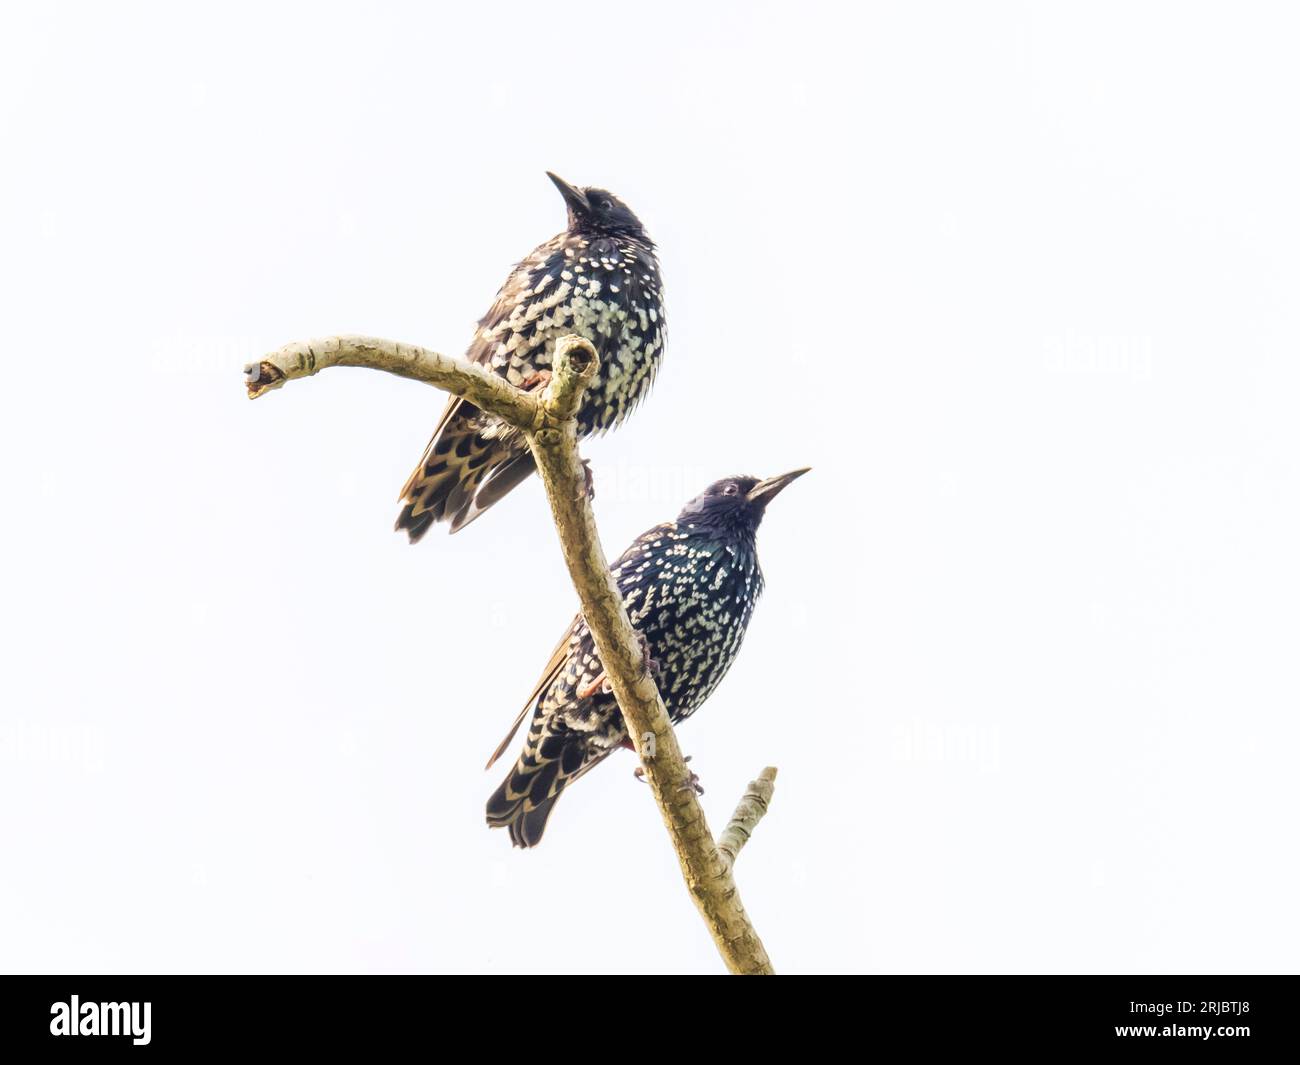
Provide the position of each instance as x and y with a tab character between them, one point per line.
500	481
556	663
454	409
561	653
510	307
480	351
483	345
481	348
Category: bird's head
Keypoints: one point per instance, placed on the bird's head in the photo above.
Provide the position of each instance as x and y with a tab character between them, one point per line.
597	212
735	504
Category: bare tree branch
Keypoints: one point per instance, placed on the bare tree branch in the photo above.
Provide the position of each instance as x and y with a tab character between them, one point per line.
749	812
481	387
548	420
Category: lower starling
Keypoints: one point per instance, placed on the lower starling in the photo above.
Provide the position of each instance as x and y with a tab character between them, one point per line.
690	587
599	279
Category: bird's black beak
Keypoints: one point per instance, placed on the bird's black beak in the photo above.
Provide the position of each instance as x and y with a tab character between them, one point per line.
765	491
575	198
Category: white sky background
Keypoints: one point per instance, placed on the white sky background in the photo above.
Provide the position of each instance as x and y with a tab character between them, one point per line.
1018	281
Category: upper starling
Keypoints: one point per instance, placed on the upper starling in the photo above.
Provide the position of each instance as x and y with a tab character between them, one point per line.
690	587
599	279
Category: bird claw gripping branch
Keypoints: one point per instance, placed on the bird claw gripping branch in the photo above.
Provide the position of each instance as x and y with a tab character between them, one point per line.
537	379
691	784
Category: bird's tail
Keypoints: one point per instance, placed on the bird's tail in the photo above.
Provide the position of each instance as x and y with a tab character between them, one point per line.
465	469
552	759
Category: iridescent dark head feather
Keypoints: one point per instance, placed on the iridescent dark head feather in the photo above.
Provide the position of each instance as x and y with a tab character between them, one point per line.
735	505
598	212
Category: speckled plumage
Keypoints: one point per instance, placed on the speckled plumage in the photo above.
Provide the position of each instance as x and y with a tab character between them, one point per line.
690	587
599	279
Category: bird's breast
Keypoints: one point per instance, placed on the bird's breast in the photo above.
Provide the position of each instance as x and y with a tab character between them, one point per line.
693	602
605	290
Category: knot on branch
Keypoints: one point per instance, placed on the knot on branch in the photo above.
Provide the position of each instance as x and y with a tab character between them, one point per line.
573	366
575	354
261	377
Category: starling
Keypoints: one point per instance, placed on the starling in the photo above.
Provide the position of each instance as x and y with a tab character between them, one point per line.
690	587
599	279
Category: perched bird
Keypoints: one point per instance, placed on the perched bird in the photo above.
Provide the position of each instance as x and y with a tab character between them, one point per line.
599	279
690	587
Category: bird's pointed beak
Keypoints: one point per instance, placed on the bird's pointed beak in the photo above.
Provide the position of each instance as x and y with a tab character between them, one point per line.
765	491
575	198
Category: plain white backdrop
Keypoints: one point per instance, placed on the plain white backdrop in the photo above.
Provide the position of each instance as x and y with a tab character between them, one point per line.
1019	281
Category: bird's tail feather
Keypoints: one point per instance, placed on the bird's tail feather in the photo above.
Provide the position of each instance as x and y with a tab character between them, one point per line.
501	479
526	829
462	473
553	758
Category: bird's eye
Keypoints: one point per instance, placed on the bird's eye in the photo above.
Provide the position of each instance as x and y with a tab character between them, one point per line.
606	205
730	490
